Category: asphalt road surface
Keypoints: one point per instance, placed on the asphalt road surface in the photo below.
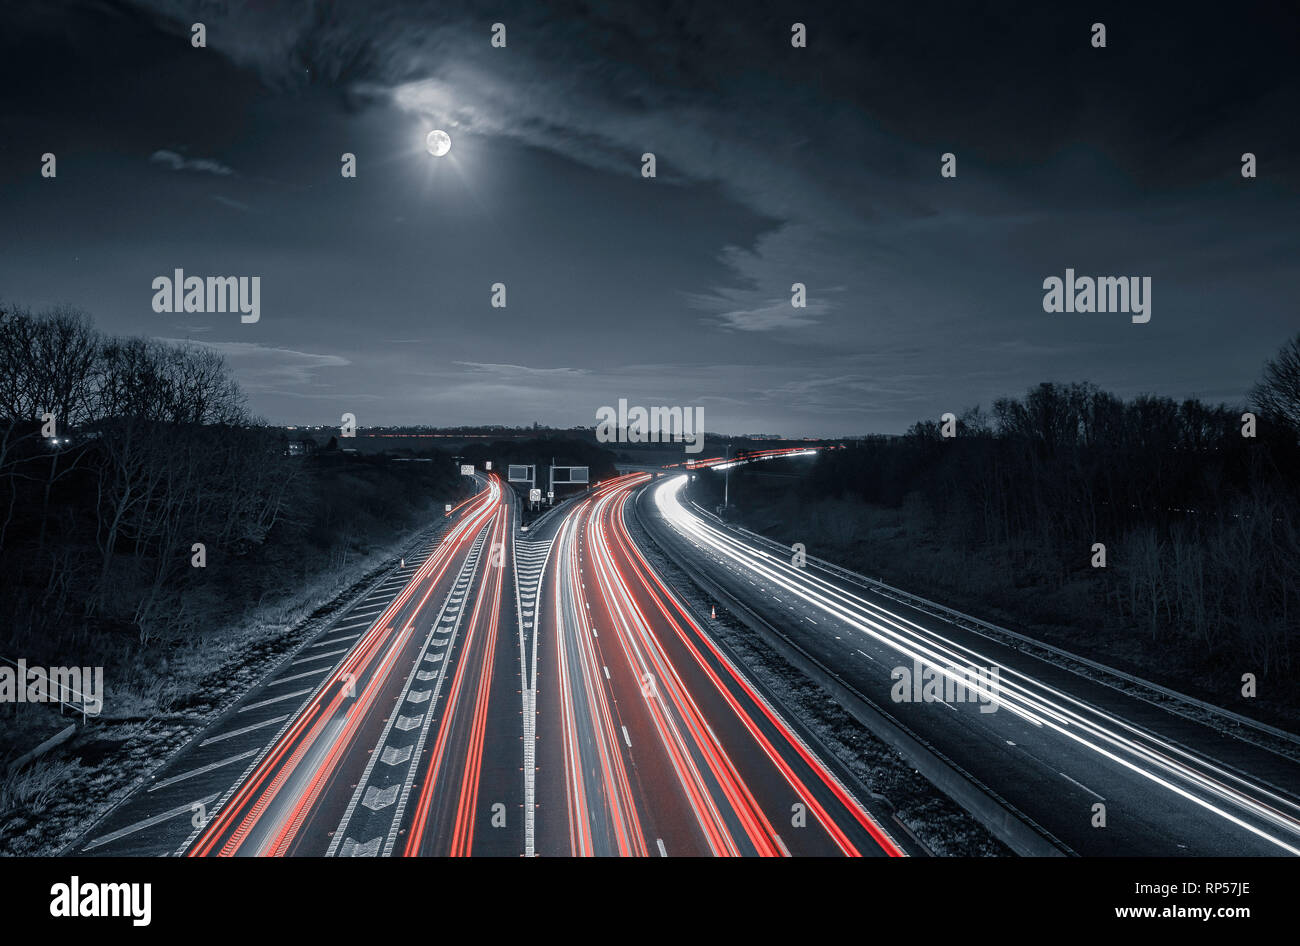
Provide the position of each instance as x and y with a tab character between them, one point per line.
1049	743
510	693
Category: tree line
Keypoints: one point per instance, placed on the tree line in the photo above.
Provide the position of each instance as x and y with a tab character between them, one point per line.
1197	507
141	503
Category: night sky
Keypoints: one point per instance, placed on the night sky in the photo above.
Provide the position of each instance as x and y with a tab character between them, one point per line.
775	165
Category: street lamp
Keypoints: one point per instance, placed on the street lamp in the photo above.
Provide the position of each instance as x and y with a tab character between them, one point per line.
726	480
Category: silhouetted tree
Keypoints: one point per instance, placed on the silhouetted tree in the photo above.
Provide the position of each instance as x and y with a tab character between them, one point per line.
1278	392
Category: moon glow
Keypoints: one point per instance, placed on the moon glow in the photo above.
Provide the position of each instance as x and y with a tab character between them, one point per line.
438	143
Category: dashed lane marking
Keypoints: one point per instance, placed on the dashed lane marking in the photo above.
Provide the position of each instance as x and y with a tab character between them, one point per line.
203	769
277	699
150	822
240	732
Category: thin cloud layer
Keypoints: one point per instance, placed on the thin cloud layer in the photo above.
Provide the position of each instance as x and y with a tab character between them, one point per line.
178	162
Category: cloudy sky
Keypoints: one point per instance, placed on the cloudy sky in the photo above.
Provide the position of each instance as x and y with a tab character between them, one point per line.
775	165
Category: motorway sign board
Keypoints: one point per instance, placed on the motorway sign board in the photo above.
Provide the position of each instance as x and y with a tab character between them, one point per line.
467	469
575	474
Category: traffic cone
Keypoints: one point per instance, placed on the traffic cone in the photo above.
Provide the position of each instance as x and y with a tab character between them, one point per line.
714	615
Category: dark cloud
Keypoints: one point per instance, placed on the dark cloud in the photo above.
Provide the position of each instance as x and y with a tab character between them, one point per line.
775	166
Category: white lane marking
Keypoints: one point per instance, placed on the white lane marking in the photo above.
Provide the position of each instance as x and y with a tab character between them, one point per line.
150	822
287	696
202	769
351	848
663	851
377	799
349	627
240	732
469	566
606	673
328	653
299	676
627	738
1082	786
394	756
336	640
865	654
785	851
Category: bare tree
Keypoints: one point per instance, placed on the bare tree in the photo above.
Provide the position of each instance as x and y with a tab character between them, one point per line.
1278	392
48	365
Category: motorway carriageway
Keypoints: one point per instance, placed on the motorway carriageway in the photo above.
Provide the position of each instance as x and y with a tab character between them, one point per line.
650	741
1054	747
351	775
545	695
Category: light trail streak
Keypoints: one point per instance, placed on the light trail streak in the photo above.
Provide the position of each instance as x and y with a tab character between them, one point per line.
290	776
1042	705
637	608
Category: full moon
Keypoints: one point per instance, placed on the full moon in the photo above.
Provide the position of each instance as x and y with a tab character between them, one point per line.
438	143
